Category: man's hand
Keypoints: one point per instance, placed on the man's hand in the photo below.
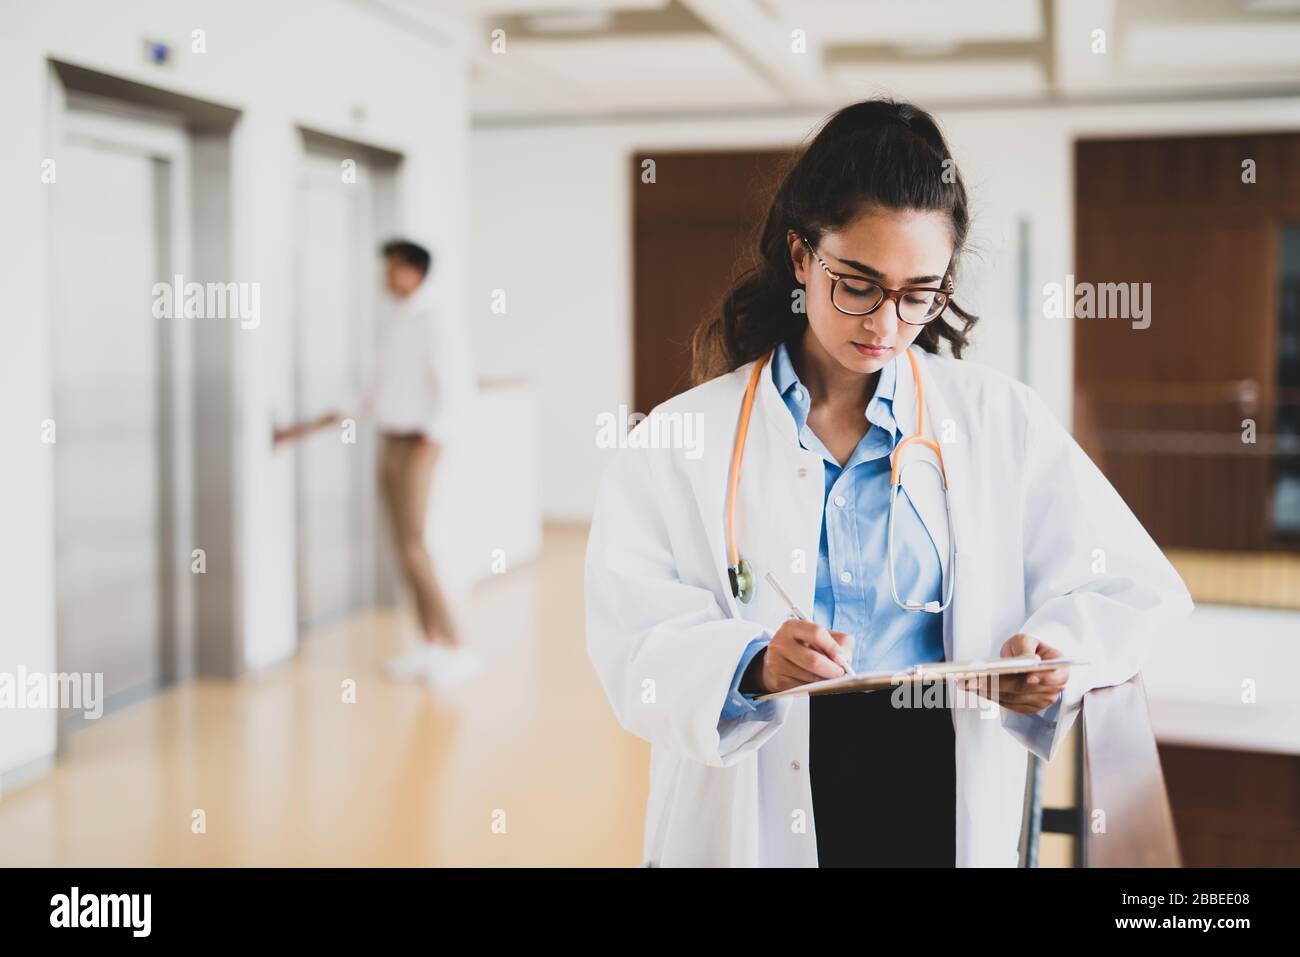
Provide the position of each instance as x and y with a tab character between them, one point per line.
291	433
1027	693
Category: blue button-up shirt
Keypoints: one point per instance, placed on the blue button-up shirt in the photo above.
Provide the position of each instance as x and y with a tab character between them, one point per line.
852	591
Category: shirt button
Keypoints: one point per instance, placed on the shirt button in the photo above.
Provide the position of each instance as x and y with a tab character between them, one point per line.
803	472
794	765
798	394
846	577
839	501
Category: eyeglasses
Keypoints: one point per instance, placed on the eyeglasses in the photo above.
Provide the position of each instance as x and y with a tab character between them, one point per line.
860	296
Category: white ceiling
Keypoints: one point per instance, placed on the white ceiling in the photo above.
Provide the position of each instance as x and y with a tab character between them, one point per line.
538	59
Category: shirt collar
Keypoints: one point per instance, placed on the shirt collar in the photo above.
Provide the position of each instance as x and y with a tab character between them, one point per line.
880	410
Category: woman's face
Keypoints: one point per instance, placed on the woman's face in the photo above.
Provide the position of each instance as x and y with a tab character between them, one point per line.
894	247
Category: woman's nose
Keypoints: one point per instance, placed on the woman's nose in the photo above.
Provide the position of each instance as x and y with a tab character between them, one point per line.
886	317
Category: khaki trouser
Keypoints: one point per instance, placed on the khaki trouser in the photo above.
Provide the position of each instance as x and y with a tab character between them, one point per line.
406	465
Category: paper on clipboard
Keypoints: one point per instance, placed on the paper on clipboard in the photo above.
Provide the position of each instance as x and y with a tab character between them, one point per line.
873	680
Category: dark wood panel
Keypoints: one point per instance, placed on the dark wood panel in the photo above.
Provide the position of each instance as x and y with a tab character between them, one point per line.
693	232
1188	170
1160	409
1234	808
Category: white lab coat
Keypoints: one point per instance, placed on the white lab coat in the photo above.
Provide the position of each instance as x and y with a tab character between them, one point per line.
1045	546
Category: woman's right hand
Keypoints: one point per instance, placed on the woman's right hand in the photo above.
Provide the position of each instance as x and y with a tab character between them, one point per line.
804	651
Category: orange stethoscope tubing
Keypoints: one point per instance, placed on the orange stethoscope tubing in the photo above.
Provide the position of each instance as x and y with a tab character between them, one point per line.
738	570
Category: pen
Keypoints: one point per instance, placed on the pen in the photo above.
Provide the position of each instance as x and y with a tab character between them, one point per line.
794	610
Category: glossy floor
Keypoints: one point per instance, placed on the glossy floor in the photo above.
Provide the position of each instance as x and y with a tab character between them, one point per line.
526	766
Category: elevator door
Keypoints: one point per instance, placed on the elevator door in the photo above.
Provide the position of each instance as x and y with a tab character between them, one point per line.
337	293
112	216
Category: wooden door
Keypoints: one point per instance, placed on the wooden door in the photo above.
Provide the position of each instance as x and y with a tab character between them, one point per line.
1164	405
694	228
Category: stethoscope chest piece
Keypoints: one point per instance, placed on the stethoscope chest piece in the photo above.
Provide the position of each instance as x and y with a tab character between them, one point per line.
742	581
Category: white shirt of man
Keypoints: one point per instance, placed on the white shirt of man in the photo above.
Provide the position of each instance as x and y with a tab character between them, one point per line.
422	379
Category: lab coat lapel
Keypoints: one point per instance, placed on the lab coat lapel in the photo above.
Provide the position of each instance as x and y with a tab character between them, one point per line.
922	483
966	619
778	505
794	498
709	480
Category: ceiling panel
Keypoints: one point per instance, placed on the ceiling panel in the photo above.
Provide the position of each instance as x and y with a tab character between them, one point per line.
512	7
1210	45
924	82
916	22
653	73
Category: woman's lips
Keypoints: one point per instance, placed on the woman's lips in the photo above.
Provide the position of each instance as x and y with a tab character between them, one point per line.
874	352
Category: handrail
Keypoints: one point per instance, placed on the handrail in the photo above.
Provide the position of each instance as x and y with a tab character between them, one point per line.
1127	822
1122	818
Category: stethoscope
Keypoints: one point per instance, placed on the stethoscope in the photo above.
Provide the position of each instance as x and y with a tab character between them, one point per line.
739	571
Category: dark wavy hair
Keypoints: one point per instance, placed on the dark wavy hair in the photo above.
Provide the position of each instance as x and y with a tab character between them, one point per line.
875	153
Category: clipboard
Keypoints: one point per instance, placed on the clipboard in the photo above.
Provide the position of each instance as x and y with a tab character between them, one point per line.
875	680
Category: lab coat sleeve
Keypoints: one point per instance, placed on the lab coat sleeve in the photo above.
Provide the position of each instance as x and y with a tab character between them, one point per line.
1096	586
664	649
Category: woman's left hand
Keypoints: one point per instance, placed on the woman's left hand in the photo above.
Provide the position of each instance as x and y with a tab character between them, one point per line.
1028	693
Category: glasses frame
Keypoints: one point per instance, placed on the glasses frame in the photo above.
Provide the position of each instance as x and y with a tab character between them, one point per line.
895	294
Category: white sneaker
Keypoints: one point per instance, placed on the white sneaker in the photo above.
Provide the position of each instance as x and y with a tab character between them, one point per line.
451	667
414	663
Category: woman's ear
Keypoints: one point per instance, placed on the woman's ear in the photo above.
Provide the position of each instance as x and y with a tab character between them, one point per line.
798	259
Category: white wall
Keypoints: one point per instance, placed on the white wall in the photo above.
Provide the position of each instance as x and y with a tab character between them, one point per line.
549	228
317	63
1227	681
551	215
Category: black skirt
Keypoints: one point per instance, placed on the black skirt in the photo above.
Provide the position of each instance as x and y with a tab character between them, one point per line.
884	781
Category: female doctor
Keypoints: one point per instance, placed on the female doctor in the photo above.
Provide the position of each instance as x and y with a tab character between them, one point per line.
1004	540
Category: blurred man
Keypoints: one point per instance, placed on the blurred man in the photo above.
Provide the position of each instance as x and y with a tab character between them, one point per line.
417	396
